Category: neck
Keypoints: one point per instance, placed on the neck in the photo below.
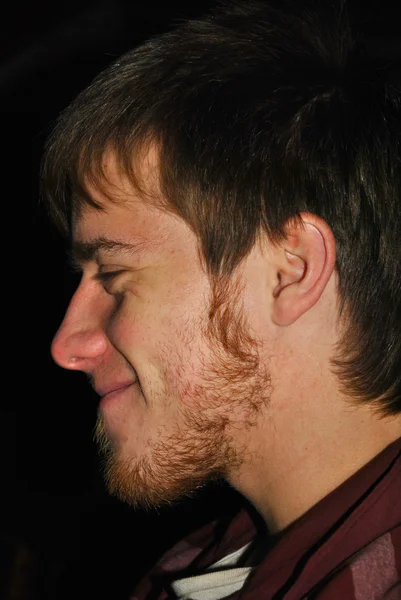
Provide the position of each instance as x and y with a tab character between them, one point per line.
296	457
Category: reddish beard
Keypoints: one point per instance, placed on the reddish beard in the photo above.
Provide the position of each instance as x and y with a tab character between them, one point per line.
201	447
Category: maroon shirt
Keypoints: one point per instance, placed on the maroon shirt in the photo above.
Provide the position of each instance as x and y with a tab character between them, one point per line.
346	547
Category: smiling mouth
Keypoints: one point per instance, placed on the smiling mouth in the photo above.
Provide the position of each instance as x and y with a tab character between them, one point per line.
106	390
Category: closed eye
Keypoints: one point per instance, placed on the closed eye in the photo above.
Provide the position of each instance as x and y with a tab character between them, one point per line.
105	277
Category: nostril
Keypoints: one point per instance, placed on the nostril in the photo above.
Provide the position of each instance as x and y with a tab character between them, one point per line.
74	350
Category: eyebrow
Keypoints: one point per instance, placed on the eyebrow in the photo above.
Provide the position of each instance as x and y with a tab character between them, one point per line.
84	252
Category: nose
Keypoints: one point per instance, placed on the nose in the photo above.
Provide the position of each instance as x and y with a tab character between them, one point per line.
80	342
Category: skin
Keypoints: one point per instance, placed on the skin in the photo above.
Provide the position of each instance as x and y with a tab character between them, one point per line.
261	409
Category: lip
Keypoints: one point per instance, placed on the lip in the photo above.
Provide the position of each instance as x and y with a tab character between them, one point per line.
113	387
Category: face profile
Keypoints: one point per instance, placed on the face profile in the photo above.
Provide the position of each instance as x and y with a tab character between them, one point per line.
171	391
230	190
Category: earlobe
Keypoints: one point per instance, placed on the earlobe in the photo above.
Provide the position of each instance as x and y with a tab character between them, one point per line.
305	265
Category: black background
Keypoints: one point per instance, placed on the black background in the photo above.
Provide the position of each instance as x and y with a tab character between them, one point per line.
61	535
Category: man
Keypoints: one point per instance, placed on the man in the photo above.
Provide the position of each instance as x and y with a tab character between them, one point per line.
232	190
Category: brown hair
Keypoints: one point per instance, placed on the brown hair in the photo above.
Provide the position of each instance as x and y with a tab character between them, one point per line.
261	111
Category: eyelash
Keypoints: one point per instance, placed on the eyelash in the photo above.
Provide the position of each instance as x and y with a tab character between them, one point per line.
105	277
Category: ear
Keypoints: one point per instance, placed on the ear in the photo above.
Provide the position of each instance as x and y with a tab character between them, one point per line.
305	262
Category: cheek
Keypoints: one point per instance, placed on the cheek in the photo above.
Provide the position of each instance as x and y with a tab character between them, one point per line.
131	327
164	342
141	329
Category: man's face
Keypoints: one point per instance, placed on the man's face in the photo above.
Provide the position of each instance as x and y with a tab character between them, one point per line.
180	389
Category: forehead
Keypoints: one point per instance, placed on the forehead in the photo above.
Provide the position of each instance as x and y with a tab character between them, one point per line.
122	218
127	214
122	205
